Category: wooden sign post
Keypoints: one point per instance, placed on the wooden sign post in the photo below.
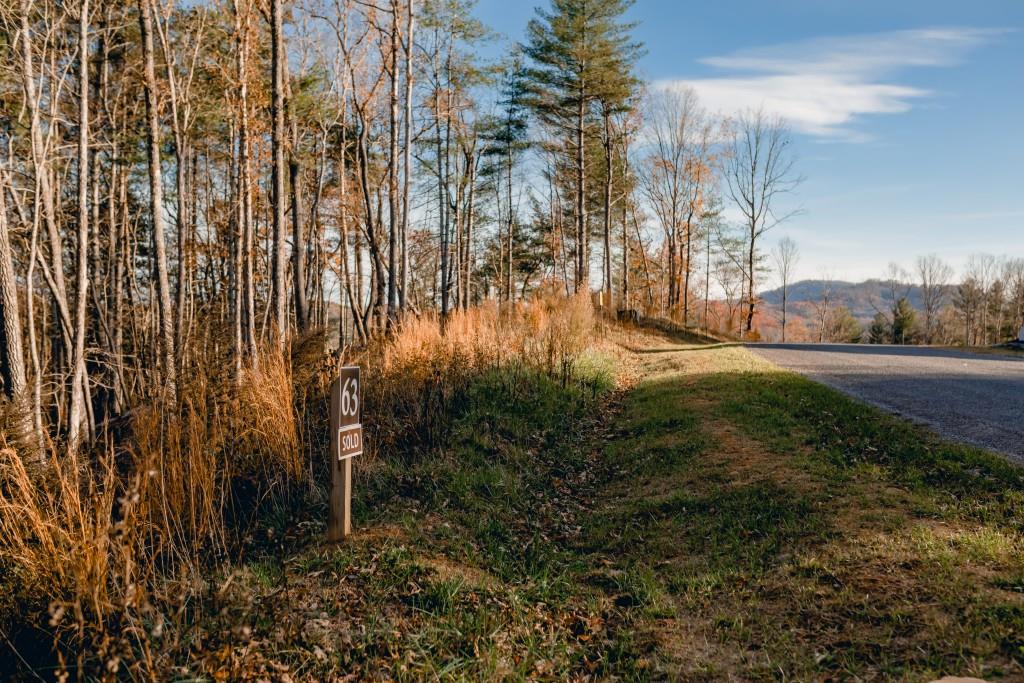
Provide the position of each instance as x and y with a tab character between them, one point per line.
346	443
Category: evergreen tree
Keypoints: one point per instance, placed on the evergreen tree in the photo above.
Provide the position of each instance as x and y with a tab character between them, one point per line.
582	56
505	135
904	323
844	328
878	333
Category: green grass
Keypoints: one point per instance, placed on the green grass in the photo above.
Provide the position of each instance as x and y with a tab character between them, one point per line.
810	533
475	570
721	519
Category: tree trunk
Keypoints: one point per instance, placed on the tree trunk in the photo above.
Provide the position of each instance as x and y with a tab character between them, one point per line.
582	248
472	160
378	287
784	297
278	264
156	202
443	153
750	286
245	186
77	416
509	249
12	359
408	156
686	271
707	282
607	274
624	303
643	254
393	237
298	238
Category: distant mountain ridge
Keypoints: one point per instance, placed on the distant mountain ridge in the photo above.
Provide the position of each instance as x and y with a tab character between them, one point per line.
864	299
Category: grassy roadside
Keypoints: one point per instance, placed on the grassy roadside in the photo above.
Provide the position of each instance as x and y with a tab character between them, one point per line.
1001	350
719	519
785	531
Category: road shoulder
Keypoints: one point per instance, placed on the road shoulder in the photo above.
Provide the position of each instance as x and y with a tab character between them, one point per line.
774	525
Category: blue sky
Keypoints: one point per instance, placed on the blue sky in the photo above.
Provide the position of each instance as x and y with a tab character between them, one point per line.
908	115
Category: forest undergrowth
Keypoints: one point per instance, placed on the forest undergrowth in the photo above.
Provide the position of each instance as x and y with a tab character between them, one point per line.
112	555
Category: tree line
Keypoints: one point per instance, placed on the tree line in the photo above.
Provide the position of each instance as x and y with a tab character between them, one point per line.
193	183
926	305
986	306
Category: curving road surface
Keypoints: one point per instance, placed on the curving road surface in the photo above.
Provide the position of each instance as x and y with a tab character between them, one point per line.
978	399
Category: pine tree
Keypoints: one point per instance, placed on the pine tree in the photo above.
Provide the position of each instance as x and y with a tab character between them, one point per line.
505	140
904	323
582	56
844	328
878	333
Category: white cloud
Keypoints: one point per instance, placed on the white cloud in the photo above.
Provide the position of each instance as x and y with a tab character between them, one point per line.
822	85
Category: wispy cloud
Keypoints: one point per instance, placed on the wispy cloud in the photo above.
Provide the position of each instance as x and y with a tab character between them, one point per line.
823	85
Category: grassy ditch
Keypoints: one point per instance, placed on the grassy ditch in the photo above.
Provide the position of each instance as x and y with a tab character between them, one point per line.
720	518
465	561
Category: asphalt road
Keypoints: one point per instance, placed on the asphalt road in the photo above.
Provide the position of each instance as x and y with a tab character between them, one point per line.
977	399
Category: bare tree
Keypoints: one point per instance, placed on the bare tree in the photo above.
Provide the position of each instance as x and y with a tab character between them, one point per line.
1014	273
759	170
247	293
676	180
729	278
406	182
181	99
786	254
823	305
934	276
77	414
982	270
295	179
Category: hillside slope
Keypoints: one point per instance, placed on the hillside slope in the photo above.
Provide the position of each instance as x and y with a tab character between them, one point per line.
864	299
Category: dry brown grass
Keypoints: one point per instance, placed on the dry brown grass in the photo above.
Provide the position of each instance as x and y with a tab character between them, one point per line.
414	380
106	551
103	549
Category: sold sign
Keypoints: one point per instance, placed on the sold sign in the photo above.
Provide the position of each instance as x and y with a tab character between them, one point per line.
346	443
350	429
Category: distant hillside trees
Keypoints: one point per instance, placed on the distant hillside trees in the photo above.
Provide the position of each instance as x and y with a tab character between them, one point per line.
986	305
934	276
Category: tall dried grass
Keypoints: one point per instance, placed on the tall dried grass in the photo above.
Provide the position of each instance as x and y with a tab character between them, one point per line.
416	380
105	551
106	547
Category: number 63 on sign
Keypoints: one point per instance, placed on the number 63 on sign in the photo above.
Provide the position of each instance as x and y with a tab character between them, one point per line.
350	428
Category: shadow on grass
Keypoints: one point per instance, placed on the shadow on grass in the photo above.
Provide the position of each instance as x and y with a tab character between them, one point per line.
819	551
685	349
